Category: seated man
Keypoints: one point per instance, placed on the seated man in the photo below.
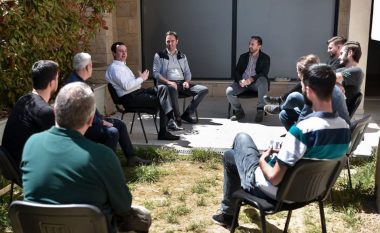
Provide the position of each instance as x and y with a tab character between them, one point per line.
170	67
295	109
351	75
61	166
104	130
245	168
32	112
251	74
129	90
334	45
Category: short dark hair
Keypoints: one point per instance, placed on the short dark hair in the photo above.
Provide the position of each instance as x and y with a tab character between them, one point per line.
355	48
321	78
43	72
114	46
172	33
258	39
337	40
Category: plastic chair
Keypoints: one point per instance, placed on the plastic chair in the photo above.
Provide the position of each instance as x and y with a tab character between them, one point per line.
358	128
44	218
353	103
308	181
122	110
9	170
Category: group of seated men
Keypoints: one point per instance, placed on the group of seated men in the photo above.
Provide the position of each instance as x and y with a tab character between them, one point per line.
57	151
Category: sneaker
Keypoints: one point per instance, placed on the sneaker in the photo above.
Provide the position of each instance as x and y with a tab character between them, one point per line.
272	99
186	117
222	219
137	161
172	125
238	115
167	136
259	115
272	109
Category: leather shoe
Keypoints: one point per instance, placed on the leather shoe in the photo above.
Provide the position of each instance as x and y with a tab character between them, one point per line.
167	136
259	115
172	125
238	116
186	117
137	161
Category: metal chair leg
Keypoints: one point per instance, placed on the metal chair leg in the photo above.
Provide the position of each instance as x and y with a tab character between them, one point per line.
133	121
11	193
322	214
263	222
235	219
349	173
142	126
287	221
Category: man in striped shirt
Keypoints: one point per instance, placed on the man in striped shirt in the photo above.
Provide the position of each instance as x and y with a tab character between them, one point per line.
321	135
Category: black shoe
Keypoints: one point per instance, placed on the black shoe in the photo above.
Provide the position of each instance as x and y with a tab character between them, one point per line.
224	220
238	115
273	99
137	161
178	121
186	117
167	136
259	115
172	125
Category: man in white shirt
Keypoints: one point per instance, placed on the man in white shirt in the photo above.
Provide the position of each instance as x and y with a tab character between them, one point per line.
128	88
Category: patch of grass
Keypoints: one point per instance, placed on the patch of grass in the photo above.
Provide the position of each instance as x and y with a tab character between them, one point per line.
197	227
4	220
182	197
171	217
165	191
203	156
199	188
201	201
350	217
164	203
145	174
149	204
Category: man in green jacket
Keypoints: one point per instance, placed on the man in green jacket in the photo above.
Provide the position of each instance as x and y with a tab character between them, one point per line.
61	166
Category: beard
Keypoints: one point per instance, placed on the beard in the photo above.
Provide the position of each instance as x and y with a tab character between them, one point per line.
307	100
344	61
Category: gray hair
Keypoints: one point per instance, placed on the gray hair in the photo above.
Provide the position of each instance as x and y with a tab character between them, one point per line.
81	60
74	104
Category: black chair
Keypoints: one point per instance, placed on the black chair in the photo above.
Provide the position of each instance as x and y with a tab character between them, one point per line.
9	170
358	128
138	111
353	103
245	95
308	181
43	218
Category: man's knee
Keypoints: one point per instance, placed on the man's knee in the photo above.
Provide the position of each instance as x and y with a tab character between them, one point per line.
229	90
242	138
113	133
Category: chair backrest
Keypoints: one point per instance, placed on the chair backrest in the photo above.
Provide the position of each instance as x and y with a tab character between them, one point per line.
309	180
44	218
115	98
354	103
8	168
358	128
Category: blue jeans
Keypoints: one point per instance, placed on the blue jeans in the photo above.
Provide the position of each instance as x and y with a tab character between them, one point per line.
260	85
240	164
110	136
291	109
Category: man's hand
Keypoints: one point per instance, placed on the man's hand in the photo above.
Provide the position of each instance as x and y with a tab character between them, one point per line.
242	83
186	85
172	84
144	75
107	124
266	153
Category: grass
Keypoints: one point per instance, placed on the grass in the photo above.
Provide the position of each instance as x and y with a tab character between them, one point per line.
184	191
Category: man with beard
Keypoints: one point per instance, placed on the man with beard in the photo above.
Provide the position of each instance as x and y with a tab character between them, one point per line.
251	74
334	45
260	175
32	112
351	76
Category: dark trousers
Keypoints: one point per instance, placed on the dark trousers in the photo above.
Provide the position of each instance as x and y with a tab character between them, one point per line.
151	98
109	136
296	88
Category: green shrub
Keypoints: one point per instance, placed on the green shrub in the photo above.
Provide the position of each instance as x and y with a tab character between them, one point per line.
39	29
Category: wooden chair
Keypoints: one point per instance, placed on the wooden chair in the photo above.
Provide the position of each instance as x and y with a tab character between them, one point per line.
9	170
138	111
358	128
308	181
44	218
